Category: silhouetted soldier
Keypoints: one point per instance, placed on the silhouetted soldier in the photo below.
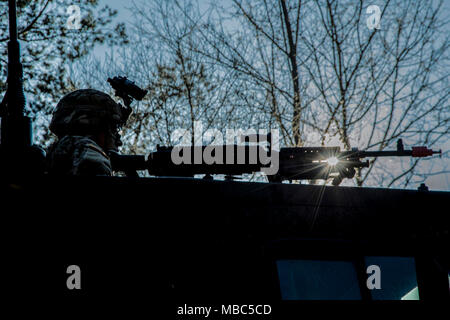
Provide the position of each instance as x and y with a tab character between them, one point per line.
87	124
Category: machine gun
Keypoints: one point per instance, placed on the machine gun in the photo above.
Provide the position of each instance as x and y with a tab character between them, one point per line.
305	163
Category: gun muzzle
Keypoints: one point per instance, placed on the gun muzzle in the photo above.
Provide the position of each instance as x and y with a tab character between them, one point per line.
420	152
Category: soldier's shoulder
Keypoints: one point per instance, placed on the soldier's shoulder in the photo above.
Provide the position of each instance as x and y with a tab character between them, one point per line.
81	142
78	155
78	146
92	146
74	141
90	158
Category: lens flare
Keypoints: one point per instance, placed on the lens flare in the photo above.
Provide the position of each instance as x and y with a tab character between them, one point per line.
332	161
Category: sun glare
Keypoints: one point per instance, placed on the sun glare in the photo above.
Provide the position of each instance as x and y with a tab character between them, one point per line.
332	161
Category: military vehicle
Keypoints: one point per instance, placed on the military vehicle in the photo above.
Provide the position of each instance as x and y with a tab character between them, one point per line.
237	248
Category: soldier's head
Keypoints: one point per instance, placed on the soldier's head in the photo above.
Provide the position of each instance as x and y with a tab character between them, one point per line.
89	112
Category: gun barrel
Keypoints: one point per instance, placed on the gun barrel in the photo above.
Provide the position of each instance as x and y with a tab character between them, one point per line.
415	152
374	154
12	20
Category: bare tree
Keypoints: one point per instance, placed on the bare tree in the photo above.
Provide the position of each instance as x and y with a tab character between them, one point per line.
382	84
182	88
317	70
258	41
48	46
321	75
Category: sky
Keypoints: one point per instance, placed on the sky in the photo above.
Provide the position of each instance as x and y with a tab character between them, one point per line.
434	182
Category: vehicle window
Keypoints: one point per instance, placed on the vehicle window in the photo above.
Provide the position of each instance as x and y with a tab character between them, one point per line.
318	280
398	279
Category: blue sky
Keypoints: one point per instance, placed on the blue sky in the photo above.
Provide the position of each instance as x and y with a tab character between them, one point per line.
436	182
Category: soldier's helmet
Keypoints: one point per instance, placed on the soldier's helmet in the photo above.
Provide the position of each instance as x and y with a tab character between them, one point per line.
87	111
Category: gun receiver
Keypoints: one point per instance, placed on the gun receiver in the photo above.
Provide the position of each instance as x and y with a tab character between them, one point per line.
306	163
159	163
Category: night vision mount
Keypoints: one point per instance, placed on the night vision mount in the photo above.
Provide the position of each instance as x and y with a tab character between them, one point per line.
126	89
